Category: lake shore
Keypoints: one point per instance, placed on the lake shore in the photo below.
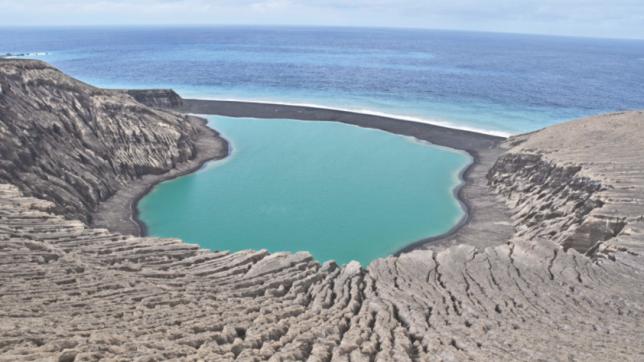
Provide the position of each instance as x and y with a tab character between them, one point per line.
120	213
486	220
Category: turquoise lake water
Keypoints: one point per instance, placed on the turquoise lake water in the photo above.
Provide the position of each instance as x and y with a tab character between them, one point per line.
338	191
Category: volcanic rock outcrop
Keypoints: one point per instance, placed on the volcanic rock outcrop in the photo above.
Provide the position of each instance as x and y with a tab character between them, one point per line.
566	286
158	98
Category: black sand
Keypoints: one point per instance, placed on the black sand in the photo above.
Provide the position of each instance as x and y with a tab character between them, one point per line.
442	136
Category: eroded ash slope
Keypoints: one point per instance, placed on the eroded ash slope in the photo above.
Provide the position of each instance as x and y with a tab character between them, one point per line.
579	184
77	145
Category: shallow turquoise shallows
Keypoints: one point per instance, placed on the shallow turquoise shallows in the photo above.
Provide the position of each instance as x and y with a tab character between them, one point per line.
338	191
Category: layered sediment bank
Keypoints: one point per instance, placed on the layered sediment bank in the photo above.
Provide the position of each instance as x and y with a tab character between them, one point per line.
565	285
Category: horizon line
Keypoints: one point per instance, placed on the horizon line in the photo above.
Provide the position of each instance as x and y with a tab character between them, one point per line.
381	27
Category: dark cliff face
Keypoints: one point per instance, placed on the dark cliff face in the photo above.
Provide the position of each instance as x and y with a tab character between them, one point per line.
73	144
159	98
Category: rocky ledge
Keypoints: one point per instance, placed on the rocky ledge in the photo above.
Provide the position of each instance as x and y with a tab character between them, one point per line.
158	98
567	285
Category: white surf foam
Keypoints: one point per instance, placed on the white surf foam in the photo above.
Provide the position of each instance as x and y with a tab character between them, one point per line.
25	55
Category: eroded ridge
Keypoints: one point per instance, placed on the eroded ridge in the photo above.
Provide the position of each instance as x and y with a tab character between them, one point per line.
77	145
579	184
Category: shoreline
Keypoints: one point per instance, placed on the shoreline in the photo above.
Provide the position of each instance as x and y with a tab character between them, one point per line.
464	176
483	148
356	111
198	164
455	138
120	212
486	220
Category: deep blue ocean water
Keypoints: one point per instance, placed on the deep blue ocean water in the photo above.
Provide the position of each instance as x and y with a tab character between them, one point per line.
496	82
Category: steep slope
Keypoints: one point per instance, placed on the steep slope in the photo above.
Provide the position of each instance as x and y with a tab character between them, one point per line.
76	145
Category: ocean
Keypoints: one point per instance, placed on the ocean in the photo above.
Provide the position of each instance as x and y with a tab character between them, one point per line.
495	83
339	191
